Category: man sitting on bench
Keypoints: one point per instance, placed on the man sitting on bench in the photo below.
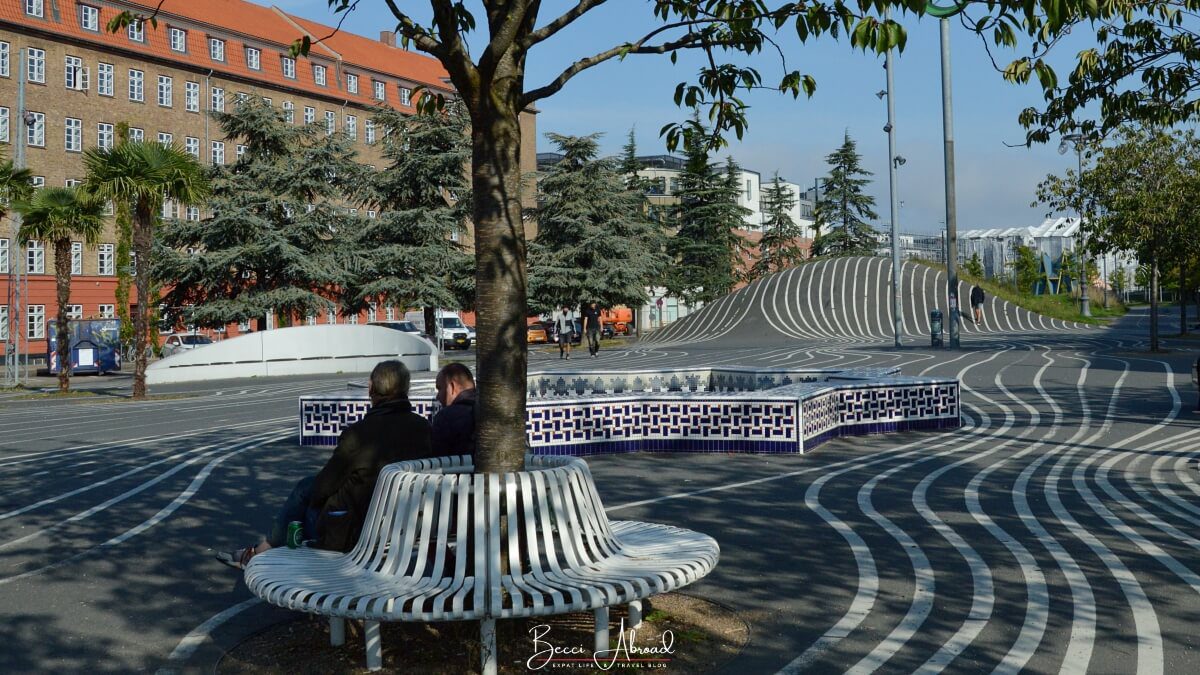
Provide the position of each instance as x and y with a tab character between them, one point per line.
332	505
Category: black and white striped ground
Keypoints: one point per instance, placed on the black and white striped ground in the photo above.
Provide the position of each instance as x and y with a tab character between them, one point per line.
1055	532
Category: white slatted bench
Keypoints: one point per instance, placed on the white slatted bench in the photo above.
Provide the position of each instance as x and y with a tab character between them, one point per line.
432	545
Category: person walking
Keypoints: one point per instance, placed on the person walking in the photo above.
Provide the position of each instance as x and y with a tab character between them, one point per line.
977	302
565	325
592	326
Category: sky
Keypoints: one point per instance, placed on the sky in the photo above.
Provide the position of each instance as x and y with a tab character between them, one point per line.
996	183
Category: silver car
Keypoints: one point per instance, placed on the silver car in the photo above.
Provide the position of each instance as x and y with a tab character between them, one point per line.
182	343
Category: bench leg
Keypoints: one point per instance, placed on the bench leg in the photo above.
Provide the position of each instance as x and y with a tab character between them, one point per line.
635	614
337	631
374	645
487	646
601	629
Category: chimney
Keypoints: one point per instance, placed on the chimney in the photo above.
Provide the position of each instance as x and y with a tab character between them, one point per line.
387	37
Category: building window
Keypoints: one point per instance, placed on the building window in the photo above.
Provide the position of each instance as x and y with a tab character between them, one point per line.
380	90
217	99
104	136
241	97
35	134
3	256
35	326
137	31
73	135
330	122
352	127
35	65
105	260
253	58
351	83
267	100
217	153
89	18
137	134
289	112
35	258
311	319
241	150
104	79
405	96
390	313
178	39
35	7
371	214
166	91
216	49
191	96
288	66
3	125
74	311
3	323
353	318
372	313
369	131
72	182
169	209
310	114
319	74
37	181
75	75
137	85
108	311
76	259
191	145
5	49
191	213
330	317
165	139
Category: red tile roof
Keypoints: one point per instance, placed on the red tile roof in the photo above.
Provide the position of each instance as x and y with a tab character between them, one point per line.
242	24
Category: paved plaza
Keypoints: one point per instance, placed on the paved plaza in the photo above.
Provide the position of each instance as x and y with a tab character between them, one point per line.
1055	531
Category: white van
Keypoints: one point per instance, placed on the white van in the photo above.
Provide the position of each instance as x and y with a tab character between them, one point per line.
450	323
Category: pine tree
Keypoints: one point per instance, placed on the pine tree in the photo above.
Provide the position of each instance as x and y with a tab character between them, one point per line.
706	250
409	254
594	242
843	209
280	232
779	247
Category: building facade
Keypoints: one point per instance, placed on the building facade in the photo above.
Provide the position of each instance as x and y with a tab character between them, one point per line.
77	81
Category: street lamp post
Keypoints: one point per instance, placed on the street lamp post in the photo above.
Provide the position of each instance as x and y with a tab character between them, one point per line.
1085	308
894	161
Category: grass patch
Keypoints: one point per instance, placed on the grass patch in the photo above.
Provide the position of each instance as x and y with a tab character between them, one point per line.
55	394
1062	307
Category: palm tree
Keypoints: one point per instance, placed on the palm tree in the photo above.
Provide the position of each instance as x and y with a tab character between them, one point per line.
143	175
60	214
15	185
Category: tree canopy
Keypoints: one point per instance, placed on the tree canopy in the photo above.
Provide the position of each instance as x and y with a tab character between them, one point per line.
779	247
842	209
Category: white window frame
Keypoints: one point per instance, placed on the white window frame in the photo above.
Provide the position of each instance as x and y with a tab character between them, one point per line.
74	74
389	313
35	65
89	18
320	77
253	58
73	134
191	145
107	311
216	153
35	8
105	79
380	89
137	134
106	260
191	213
310	114
352	83
74	311
137	85
3	323
350	125
216	99
4	255
5	59
287	65
289	112
76	258
405	96
35	134
35	257
330	317
105	136
136	31
330	122
37	181
216	49
166	91
191	96
369	131
178	37
35	322
4	124
166	139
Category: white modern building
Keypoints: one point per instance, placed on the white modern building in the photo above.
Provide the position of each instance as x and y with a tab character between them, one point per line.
996	247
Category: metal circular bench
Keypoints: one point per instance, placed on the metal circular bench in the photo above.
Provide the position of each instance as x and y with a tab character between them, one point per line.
441	543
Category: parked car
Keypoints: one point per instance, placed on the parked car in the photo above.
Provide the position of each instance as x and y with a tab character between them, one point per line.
402	326
536	334
457	340
181	343
607	332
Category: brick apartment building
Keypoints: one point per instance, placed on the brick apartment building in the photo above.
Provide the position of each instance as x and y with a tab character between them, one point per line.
81	81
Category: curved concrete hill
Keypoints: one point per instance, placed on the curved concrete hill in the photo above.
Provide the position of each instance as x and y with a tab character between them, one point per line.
843	300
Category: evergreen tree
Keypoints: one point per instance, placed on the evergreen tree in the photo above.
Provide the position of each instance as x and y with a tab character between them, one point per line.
630	166
278	237
843	209
594	242
706	250
779	247
408	254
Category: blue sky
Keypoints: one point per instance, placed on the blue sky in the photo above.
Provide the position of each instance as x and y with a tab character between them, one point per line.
995	183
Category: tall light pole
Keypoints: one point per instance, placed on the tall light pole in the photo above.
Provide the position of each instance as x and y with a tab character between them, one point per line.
894	161
17	279
1085	308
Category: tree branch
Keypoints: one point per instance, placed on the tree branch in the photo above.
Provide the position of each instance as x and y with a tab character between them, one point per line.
420	36
566	19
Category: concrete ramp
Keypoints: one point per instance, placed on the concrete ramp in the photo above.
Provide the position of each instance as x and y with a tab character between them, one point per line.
845	300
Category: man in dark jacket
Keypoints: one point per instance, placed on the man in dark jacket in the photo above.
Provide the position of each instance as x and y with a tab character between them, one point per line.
454	424
333	504
977	303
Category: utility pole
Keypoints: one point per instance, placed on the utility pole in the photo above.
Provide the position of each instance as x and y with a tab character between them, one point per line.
951	207
1085	308
893	162
13	372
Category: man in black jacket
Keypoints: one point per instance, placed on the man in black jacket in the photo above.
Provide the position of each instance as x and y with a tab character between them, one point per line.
454	425
333	504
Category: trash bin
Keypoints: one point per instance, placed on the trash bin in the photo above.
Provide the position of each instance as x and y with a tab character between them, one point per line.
935	328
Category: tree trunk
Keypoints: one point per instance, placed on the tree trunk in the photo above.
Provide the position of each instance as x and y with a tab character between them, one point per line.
500	284
1182	299
62	280
1153	304
143	241
431	327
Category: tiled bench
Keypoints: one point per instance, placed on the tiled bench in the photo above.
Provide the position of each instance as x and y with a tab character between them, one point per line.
696	410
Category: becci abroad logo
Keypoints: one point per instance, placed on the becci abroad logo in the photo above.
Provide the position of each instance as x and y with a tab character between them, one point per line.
626	653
